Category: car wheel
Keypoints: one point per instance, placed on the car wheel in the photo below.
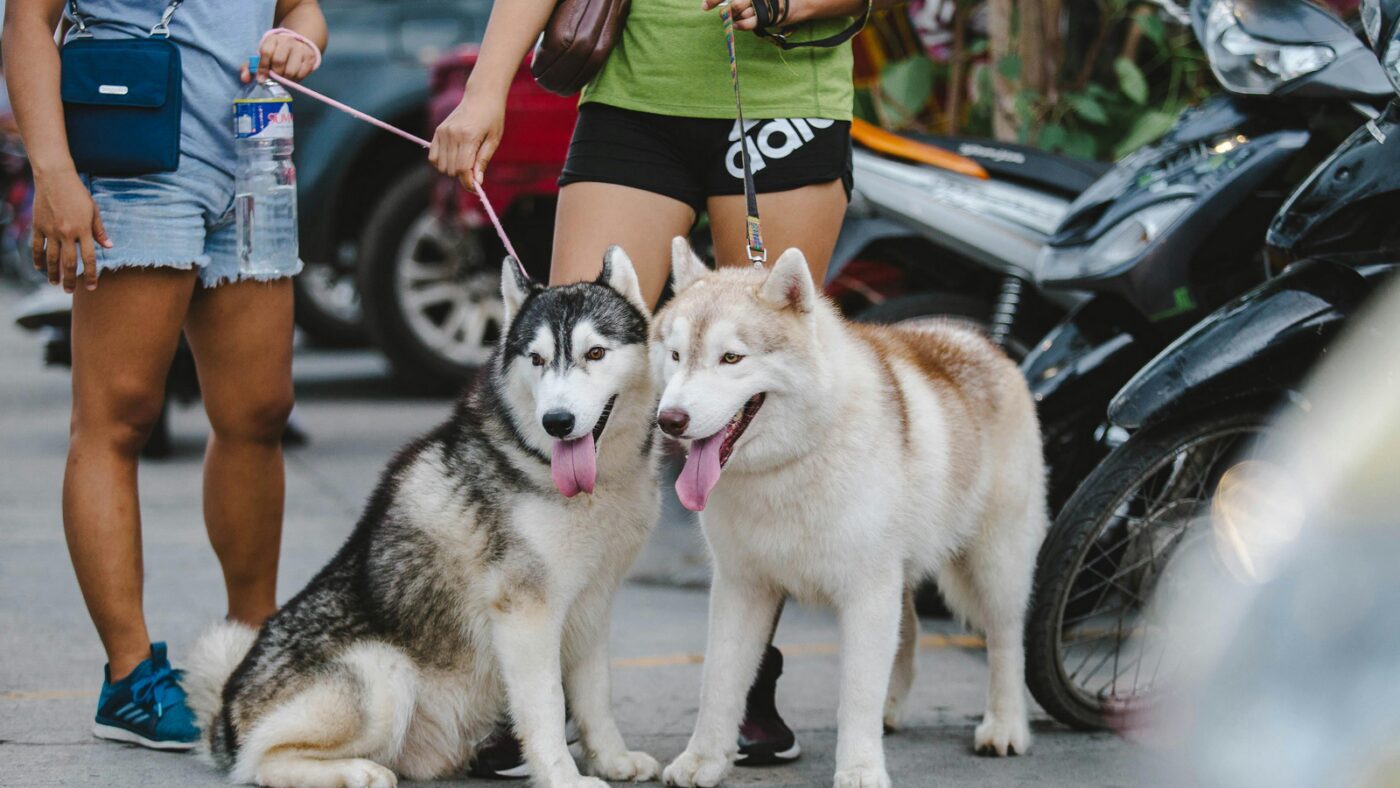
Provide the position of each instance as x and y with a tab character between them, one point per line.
328	305
432	289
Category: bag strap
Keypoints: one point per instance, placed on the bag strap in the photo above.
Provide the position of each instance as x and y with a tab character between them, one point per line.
771	13
82	21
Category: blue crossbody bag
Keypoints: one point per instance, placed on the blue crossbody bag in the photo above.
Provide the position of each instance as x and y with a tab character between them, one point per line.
122	99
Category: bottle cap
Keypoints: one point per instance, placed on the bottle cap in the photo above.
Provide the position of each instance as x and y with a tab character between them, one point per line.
253	62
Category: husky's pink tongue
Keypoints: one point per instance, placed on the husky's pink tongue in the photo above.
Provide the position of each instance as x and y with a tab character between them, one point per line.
701	472
574	466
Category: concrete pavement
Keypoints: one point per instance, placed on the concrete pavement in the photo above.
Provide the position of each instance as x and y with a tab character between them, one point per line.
50	661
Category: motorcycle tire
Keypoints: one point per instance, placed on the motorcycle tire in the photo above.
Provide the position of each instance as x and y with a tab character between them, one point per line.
972	310
1090	511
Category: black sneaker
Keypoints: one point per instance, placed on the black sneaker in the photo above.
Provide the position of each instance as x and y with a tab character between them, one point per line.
499	757
764	739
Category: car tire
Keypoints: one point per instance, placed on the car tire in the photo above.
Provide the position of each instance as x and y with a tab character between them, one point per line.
329	316
418	274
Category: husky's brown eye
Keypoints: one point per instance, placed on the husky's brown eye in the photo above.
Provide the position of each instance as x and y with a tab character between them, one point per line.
595	354
731	358
675	355
537	359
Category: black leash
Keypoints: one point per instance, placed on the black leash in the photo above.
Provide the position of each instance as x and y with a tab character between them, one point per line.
768	16
752	234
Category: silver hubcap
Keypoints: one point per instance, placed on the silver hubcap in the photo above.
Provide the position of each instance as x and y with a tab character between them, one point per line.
333	290
449	293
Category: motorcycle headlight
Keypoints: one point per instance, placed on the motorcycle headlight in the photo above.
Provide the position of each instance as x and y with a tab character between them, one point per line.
1245	64
1389	50
1123	242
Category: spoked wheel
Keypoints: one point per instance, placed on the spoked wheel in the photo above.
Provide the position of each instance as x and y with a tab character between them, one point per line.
431	288
1097	650
449	294
328	305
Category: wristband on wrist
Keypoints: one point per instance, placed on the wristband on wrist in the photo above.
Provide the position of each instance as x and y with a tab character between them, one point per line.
294	35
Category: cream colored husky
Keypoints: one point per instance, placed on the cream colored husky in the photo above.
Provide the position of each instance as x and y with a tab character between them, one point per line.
842	464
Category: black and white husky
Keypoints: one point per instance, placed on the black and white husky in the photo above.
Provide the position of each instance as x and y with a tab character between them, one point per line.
477	582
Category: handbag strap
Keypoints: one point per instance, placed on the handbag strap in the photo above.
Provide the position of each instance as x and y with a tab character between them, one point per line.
162	28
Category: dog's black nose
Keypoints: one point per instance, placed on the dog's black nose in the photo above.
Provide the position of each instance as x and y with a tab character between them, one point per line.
673	422
558	423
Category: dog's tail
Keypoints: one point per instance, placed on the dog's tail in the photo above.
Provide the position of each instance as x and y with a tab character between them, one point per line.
213	659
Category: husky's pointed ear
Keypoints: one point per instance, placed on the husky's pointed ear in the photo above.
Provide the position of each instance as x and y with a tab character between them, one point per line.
790	284
686	266
515	288
619	274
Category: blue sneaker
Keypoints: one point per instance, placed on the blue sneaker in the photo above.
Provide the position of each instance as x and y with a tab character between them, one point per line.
147	707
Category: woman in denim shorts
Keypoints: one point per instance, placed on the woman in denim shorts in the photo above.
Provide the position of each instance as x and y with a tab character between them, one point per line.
147	258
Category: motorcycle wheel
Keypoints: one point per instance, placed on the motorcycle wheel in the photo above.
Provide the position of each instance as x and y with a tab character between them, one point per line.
328	306
1109	552
930	305
431	290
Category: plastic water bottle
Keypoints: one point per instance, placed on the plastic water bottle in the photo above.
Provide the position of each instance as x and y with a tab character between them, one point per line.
265	183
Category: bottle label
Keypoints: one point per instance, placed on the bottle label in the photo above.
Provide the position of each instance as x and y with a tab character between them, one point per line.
262	119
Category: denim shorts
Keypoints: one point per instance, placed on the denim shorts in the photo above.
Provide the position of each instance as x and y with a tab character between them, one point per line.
182	219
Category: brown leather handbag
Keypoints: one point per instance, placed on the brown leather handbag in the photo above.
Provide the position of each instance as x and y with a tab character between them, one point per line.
576	42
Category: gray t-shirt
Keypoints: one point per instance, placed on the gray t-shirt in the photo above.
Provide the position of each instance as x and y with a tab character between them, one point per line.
215	37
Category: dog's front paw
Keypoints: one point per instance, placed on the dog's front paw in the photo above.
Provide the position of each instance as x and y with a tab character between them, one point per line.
1002	737
577	782
862	777
692	769
625	766
362	773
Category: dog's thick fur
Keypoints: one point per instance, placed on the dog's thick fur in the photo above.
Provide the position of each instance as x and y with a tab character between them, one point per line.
879	456
470	587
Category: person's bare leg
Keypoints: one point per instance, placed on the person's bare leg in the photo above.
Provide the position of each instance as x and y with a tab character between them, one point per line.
808	218
124	336
594	216
241	335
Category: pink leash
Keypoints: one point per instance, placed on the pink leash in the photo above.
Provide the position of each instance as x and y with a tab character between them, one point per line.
370	119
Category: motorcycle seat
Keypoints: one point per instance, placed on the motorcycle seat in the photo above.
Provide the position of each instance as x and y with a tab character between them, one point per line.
982	158
1024	164
907	147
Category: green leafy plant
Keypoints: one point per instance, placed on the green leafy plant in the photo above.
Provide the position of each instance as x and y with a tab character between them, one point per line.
1089	78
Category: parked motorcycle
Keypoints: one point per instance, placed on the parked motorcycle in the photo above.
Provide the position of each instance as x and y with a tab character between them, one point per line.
1175	229
1096	655
952	226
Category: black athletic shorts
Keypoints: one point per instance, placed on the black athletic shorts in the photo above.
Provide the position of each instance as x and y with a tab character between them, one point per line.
690	159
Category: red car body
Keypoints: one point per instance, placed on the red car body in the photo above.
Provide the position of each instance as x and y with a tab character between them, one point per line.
525	168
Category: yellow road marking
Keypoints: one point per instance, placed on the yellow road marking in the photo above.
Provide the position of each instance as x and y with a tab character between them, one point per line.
799	650
929	642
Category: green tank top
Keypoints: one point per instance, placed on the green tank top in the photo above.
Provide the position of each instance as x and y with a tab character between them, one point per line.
672	60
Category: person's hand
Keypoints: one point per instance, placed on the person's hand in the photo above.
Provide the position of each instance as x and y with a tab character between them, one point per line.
741	11
464	143
67	224
285	55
